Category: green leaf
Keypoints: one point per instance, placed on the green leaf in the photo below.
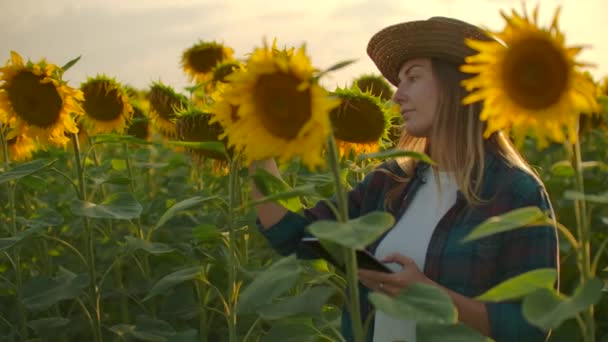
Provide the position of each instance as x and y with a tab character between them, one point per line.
169	281
151	165
124	330
182	205
394	153
34	182
70	64
575	195
206	232
120	206
546	309
269	284
154	330
268	184
119	164
514	219
210	146
419	302
335	67
286	196
563	169
292	332
520	285
23	170
118	138
45	217
356	233
9	242
109	179
309	302
41	292
49	323
453	333
155	248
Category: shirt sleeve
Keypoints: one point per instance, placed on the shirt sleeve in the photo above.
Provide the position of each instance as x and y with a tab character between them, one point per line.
523	250
286	234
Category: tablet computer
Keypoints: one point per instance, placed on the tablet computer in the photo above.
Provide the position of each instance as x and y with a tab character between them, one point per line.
365	260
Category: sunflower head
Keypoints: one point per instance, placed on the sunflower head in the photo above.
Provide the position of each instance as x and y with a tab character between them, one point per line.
281	111
376	85
36	102
195	125
360	122
223	69
530	84
222	110
106	105
164	105
140	125
200	59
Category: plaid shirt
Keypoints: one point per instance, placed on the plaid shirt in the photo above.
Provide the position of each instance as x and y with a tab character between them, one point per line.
470	268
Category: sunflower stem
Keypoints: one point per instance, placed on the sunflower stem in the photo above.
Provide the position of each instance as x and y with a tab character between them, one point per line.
90	247
142	234
16	250
202	318
584	252
349	253
232	202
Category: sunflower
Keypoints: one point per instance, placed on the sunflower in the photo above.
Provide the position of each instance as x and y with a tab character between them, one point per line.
281	110
139	127
396	128
195	125
200	59
530	84
164	105
36	102
223	69
360	121
376	85
223	111
106	105
20	148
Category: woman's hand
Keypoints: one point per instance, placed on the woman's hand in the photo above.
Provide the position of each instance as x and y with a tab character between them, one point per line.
393	283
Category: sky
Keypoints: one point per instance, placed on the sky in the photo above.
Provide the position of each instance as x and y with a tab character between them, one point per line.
141	41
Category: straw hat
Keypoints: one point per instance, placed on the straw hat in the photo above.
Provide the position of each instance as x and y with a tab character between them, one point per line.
437	37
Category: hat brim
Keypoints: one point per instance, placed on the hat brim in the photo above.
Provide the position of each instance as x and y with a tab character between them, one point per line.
438	37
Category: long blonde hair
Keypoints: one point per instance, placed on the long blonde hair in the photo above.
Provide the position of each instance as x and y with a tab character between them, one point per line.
456	140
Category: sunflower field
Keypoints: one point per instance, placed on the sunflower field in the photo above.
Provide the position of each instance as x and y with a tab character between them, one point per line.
126	214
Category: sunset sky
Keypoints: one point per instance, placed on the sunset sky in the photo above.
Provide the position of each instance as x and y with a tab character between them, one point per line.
140	41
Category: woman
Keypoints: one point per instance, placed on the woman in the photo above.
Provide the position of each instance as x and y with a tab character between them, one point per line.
435	207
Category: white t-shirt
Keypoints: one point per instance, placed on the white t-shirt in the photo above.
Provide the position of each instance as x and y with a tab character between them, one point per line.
410	237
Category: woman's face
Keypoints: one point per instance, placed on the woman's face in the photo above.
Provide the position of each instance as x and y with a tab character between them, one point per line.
417	95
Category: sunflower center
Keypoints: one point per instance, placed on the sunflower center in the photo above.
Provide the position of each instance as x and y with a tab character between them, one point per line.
202	61
357	120
101	104
283	109
535	73
38	104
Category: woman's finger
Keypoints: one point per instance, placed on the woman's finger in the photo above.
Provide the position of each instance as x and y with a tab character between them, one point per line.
400	259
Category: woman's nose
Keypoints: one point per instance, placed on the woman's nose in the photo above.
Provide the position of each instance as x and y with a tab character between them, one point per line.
399	97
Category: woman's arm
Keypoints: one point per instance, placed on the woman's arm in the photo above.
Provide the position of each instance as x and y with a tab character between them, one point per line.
269	213
470	311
